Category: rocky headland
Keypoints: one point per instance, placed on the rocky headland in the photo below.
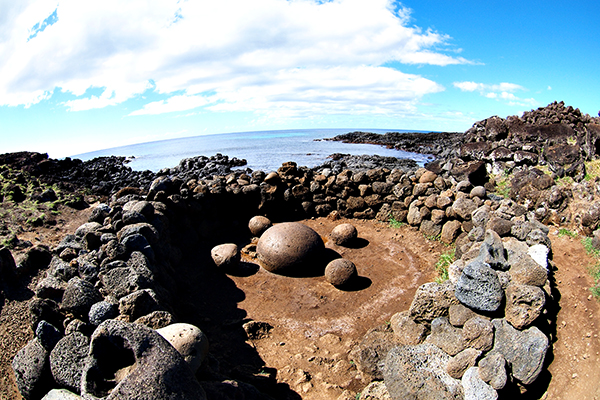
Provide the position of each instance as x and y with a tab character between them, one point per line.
107	297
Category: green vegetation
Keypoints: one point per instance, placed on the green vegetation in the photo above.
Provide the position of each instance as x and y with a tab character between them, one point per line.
566	232
593	269
443	263
394	223
592	170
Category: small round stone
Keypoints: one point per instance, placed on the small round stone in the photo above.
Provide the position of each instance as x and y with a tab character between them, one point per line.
258	225
343	234
478	191
340	271
189	341
226	255
287	247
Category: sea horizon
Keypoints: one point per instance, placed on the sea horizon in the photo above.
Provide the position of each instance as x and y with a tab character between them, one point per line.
263	150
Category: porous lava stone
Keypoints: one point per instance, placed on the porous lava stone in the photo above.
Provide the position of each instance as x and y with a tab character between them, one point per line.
288	247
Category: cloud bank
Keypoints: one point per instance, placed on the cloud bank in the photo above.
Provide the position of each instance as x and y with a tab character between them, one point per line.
286	57
501	92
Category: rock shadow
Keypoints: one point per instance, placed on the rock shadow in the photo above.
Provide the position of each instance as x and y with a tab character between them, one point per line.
243	269
357	284
358	243
208	298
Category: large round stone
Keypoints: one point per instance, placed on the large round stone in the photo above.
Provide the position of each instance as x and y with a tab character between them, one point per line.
287	247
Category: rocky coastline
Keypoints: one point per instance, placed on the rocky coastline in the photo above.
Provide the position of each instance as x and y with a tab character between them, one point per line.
104	312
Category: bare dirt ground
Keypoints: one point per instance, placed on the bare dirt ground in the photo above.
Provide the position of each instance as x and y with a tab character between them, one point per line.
315	325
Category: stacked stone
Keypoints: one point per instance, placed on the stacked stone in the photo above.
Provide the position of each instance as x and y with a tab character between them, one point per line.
96	310
484	328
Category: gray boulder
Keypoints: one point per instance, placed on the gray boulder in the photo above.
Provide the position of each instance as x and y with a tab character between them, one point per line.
289	247
418	372
463	207
131	361
478	333
524	304
492	251
138	304
79	296
61	394
101	311
446	337
47	334
371	352
461	362
406	330
432	300
478	287
492	370
121	281
67	360
475	388
458	314
31	370
523	350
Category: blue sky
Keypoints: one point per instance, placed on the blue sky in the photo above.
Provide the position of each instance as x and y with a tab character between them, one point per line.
81	76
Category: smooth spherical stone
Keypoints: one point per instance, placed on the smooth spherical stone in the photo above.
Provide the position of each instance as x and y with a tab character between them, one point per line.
340	271
226	255
343	234
258	225
189	341
287	247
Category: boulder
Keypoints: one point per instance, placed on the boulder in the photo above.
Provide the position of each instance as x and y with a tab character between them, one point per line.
101	311
156	319
67	360
131	361
79	296
47	334
458	314
61	394
432	300
478	333
525	271
523	350
288	247
375	390
492	370
524	304
343	234
478	287
138	304
406	330
430	228
372	350
463	207
418	372
539	253
475	388
492	251
450	231
446	337
258	225
31	370
189	341
340	272
461	362
226	255
500	225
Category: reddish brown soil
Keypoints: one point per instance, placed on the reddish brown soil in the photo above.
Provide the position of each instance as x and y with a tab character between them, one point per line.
316	325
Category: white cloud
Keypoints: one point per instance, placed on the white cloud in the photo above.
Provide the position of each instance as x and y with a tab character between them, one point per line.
292	56
503	91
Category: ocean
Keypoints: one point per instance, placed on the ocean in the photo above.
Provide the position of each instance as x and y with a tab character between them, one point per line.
263	150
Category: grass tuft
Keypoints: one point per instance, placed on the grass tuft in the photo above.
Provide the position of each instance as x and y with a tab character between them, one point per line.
443	263
566	232
394	223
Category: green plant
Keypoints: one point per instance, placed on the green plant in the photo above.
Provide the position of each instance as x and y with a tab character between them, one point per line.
594	269
443	263
589	247
394	223
566	232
